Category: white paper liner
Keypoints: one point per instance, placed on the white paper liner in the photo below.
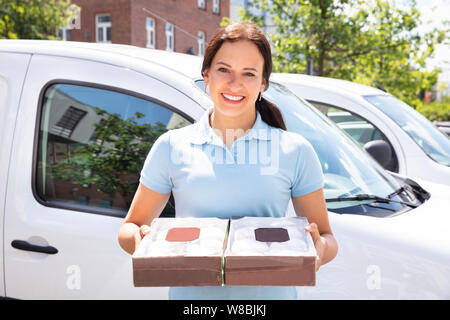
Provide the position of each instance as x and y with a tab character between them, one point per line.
242	241
209	243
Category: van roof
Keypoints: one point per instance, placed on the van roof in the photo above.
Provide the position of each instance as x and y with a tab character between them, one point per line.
329	84
188	65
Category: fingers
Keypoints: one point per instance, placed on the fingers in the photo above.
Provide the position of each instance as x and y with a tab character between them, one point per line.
318	264
314	231
144	230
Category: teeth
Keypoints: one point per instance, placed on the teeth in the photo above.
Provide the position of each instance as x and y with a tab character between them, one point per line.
234	98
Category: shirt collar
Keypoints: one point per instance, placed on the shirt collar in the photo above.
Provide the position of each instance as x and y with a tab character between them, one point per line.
204	133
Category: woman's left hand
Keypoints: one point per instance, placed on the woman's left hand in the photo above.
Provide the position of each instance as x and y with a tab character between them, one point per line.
319	242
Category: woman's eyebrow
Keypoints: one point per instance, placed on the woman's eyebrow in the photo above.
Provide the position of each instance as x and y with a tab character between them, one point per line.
226	64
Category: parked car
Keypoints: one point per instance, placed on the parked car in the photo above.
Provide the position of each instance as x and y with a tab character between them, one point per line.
78	120
417	148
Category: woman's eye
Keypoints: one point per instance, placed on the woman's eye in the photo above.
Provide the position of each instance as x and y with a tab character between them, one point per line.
249	74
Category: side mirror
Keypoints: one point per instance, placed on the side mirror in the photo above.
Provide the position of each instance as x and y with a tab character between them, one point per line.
380	151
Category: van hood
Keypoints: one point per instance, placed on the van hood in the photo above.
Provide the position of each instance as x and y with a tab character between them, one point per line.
424	229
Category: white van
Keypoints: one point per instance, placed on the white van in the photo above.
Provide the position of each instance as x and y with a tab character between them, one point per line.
77	121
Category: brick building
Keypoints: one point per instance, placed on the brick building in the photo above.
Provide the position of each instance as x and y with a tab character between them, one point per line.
176	25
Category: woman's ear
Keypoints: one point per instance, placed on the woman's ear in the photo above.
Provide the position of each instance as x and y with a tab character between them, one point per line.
263	85
206	77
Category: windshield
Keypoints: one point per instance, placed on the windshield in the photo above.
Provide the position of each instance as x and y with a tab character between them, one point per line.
432	141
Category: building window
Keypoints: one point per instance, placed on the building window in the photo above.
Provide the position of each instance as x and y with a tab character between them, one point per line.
169	37
64	33
103	28
216	6
201	4
201	43
68	122
150	27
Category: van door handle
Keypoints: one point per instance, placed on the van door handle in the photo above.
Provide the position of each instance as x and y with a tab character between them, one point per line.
24	245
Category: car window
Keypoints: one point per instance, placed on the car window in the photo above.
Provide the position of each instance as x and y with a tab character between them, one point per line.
92	145
359	128
432	141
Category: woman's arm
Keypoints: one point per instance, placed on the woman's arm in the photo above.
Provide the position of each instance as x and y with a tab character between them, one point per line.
146	206
313	207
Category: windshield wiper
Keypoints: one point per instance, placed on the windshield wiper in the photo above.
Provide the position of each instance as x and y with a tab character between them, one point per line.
364	197
419	193
396	192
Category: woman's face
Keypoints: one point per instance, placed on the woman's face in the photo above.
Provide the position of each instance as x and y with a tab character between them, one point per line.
235	78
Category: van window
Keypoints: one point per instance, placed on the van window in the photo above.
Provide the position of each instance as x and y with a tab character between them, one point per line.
92	145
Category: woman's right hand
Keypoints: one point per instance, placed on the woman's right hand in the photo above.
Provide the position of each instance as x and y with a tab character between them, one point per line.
140	234
144	230
146	206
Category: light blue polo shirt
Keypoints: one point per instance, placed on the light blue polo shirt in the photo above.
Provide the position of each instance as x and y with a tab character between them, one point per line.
257	176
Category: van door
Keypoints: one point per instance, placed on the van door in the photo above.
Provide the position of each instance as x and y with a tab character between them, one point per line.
13	67
84	129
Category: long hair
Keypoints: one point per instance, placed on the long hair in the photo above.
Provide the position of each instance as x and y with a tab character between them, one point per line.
269	112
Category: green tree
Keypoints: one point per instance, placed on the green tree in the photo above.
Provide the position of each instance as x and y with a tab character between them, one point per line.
398	62
32	19
371	42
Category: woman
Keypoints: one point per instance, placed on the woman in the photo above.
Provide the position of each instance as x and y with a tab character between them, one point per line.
237	160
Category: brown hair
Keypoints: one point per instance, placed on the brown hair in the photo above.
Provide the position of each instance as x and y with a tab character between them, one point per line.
248	31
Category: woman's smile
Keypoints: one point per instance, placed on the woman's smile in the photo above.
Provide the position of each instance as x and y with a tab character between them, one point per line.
234	99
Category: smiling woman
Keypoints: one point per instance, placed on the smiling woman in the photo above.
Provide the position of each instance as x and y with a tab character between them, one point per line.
237	160
238	73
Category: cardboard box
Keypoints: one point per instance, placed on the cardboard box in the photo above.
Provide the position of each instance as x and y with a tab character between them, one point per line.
181	252
213	251
270	251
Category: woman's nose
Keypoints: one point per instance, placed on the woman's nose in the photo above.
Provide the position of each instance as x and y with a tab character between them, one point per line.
235	81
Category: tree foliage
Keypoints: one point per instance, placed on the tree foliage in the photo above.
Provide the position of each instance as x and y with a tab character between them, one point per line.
371	42
32	19
117	154
436	111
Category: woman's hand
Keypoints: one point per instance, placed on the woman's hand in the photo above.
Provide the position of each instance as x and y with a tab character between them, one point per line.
140	234
319	242
144	230
313	207
146	206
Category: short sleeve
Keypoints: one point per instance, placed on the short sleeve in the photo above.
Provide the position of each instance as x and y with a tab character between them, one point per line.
308	172
155	173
